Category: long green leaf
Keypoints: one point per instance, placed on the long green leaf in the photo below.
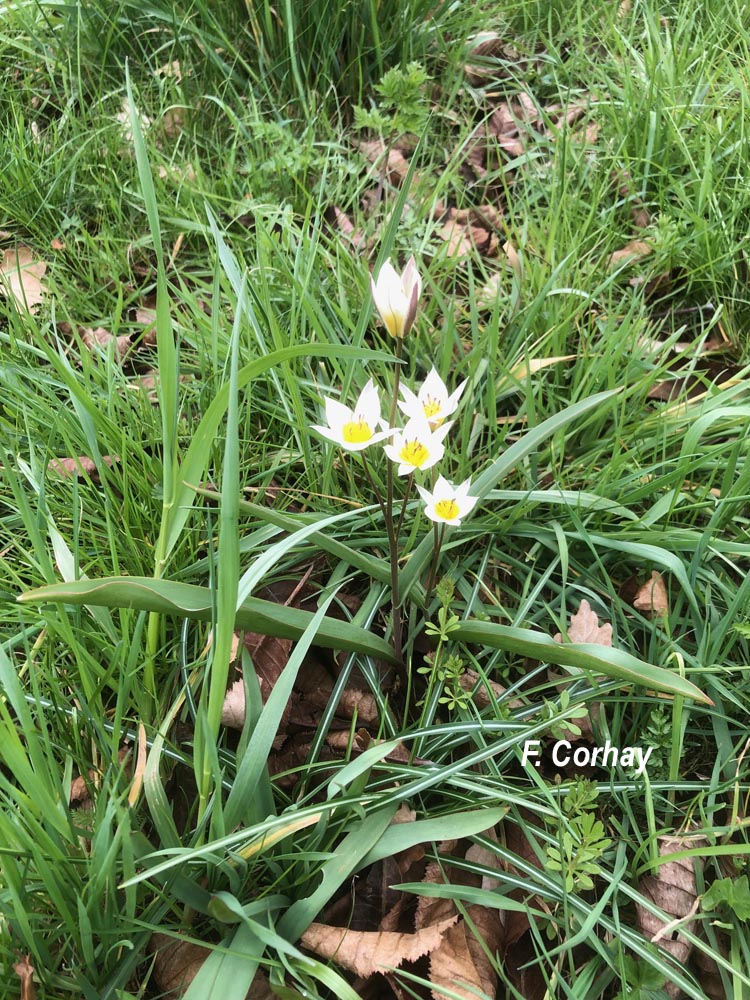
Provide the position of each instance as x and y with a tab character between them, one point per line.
589	656
532	439
191	601
357	844
240	801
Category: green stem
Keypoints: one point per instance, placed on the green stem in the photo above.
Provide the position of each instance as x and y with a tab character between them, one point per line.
407	494
438	535
392	532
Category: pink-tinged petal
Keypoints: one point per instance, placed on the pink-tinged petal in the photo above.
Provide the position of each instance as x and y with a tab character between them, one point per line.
396	297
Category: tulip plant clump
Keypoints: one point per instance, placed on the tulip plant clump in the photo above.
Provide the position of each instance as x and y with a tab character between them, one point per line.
413	448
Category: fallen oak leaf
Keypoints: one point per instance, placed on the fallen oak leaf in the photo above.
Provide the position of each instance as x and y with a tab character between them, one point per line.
584	627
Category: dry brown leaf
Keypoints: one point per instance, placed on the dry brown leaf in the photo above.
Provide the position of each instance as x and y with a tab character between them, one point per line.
25	972
177	963
630	253
145	315
486	47
101	337
512	257
395	165
652	596
367	952
82	465
469	231
233	709
21	277
346	227
460	958
362	703
584	627
460	962
470	680
672	888
707	969
170	69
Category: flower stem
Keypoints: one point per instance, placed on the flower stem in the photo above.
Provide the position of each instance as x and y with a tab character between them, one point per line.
438	534
387	509
393	532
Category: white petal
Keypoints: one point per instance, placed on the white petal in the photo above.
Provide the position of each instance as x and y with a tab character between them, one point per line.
434	387
336	413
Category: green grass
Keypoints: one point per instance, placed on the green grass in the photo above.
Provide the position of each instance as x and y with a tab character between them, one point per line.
217	488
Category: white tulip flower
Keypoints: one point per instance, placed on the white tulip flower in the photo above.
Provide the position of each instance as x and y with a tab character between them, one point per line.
355	429
448	504
417	446
432	400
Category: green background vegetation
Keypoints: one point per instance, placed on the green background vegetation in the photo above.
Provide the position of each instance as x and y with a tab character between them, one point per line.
220	207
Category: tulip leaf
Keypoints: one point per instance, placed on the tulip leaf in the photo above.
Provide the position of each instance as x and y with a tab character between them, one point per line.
597	659
191	601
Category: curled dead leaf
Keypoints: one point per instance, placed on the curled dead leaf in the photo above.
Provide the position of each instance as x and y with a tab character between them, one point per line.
652	597
673	889
25	972
21	277
101	337
82	465
634	251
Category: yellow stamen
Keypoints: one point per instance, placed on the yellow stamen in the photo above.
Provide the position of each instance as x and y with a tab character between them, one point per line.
414	453
431	407
356	432
447	510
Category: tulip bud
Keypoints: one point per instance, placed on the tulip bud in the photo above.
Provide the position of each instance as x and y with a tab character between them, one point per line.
396	296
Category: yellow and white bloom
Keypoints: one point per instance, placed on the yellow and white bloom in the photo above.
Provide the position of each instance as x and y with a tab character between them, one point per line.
448	504
417	446
356	428
432	400
396	296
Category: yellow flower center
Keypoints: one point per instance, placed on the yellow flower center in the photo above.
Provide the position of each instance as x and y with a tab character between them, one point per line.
394	323
447	510
356	432
431	407
414	453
